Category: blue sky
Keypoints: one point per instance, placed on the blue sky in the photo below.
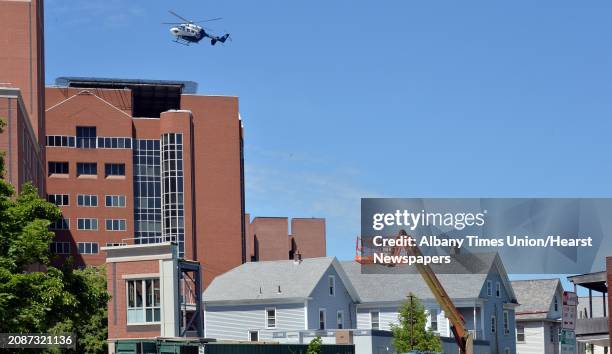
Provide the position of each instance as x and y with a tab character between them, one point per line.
350	99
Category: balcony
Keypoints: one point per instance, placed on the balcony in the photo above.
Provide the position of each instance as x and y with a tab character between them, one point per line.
591	326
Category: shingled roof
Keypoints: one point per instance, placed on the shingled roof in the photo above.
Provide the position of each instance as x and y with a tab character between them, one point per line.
261	281
535	298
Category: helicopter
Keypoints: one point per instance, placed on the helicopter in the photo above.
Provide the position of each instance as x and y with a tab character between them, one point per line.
188	32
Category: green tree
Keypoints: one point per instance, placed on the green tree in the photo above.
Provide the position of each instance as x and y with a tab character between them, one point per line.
410	333
314	347
34	295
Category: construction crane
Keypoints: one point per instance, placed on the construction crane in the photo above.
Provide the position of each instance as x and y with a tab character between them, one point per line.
463	337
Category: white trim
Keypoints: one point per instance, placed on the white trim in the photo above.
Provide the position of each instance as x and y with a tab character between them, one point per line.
378	312
135	258
267	326
249	335
86	92
306	314
140	276
331	286
341	313
321	309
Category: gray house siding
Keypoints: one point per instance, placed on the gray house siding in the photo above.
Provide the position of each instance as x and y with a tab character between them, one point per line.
234	322
341	301
494	306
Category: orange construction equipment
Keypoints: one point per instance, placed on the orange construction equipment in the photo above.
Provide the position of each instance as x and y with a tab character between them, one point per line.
463	337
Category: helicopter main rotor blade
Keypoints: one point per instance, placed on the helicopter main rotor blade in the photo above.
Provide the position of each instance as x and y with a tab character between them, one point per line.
209	20
179	16
171	23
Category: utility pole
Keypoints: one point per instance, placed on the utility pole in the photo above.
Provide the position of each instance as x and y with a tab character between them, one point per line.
411	323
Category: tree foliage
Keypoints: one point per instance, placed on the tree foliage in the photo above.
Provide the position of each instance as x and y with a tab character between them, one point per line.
410	333
36	297
314	347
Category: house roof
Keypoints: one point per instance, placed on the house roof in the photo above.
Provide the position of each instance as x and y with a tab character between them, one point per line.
462	279
534	297
260	281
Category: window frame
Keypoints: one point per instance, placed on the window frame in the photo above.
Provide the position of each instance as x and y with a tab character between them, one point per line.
489	288
81	198
340	319
267	318
377	319
497	289
119	197
112	223
493	323
53	247
331	285
324	321
61	220
61	196
506	320
433	318
88	229
250	338
110	167
91	247
522	333
86	169
55	165
144	299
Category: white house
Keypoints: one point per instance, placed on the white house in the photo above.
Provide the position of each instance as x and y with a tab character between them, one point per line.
538	317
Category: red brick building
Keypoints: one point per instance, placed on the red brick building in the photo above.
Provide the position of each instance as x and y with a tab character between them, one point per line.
21	91
136	161
269	238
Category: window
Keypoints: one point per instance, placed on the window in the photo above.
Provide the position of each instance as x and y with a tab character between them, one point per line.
556	300
88	247
114	169
433	314
115	201
87	200
60	140
58	199
489	288
506	350
114	143
61	224
143	300
497	289
87	224
270	318
115	224
340	320
493	324
506	323
60	168
86	137
253	336
552	334
374	320
116	244
60	247
332	285
87	168
322	315
520	334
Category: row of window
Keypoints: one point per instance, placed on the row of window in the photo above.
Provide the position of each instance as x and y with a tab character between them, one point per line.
89	142
88	200
82	247
90	224
86	168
